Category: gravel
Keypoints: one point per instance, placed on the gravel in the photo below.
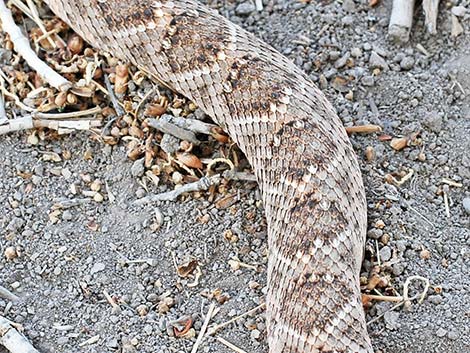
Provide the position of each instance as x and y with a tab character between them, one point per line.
68	259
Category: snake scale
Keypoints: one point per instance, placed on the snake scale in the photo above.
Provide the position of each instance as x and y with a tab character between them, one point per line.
304	163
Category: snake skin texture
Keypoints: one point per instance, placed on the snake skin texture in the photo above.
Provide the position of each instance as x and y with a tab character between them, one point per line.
304	163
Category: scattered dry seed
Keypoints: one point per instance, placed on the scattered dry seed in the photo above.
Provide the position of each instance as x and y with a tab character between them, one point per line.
98	197
425	254
370	153
142	310
75	44
95	185
121	79
11	253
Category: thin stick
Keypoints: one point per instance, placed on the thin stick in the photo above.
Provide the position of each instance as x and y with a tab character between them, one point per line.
3	114
202	184
6	294
37	19
401	20
230	345
165	126
116	307
405	299
383	298
76	114
12	339
446	204
451	182
203	328
112	96
215	328
430	12
23	48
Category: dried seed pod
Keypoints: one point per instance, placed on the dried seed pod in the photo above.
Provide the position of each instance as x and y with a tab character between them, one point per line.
122	77
88	52
186	146
11	253
425	254
135	153
142	310
135	131
98	197
187	268
95	185
155	109
61	99
399	143
189	160
75	44
219	134
72	98
370	153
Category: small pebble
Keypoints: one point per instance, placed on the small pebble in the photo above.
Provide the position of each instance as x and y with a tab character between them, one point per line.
97	268
376	61
466	204
407	63
245	8
441	332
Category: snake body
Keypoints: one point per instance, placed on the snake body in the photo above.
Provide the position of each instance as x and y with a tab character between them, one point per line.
305	166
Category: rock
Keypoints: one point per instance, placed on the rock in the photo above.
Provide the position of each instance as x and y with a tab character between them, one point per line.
441	332
67	215
376	61
368	80
385	253
466	204
453	335
459	11
341	61
349	5
255	334
433	120
138	167
375	233
407	63
245	8
356	52
391	320
98	267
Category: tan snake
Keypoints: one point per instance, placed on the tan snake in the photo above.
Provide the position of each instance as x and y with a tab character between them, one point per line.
305	166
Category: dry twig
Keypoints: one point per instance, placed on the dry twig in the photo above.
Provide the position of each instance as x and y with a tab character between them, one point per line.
23	48
401	20
202	184
230	345
6	294
215	328
203	328
12	339
430	8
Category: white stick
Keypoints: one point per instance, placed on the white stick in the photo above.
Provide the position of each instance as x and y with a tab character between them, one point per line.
23	48
12	340
203	328
430	11
401	20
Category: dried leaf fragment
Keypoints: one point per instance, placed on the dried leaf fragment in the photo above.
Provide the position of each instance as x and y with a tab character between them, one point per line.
187	268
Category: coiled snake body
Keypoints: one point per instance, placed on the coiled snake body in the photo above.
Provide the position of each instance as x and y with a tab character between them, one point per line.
307	171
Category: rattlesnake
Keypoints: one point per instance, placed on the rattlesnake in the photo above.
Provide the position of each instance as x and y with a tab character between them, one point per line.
305	166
